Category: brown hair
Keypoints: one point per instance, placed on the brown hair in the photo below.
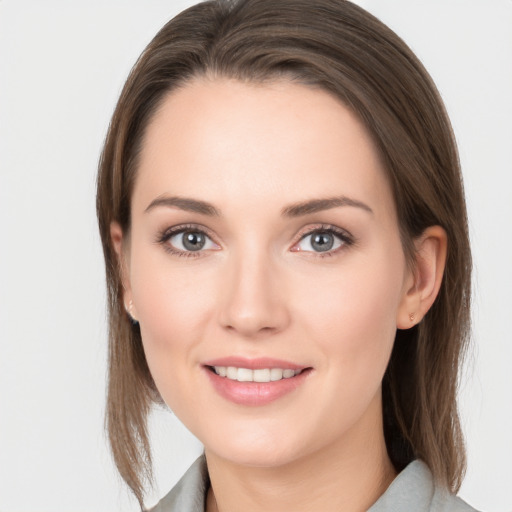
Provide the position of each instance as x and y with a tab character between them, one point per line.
339	47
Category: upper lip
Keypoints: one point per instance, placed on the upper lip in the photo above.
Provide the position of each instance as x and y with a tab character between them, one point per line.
254	363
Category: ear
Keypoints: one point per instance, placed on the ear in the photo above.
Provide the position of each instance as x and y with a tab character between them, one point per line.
424	280
117	236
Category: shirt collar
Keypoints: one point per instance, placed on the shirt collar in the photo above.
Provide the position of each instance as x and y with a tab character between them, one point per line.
412	489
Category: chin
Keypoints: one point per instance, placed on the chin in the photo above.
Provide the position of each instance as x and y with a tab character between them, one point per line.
263	459
260	450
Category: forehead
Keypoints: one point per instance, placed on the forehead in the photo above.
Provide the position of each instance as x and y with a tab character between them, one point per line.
234	143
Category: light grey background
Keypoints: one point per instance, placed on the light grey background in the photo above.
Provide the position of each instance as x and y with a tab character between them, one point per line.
62	66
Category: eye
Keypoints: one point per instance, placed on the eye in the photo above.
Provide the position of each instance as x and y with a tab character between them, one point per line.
323	240
185	241
190	241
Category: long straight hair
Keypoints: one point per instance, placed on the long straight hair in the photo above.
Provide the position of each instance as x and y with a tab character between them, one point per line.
338	47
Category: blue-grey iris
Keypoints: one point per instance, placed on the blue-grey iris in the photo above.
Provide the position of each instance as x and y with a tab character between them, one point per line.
322	242
193	241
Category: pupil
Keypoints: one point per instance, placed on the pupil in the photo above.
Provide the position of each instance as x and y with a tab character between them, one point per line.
193	241
322	242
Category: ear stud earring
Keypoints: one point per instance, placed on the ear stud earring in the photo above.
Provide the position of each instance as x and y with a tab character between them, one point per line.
411	317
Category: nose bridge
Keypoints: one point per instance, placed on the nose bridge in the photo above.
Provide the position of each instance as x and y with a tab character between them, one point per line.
252	300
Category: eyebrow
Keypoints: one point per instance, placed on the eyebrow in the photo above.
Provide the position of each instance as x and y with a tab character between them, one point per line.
318	205
294	210
184	203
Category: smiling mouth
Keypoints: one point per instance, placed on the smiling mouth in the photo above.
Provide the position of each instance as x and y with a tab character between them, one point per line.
260	375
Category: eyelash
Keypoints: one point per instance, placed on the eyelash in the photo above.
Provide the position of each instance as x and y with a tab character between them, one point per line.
164	236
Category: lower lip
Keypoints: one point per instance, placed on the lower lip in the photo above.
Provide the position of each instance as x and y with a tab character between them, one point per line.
255	393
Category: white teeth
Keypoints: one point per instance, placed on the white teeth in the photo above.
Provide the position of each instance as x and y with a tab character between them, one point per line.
231	372
276	374
245	375
221	370
260	375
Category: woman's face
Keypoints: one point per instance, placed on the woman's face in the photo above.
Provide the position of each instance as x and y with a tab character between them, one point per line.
265	243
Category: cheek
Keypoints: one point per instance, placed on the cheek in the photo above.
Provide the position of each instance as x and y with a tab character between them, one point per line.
168	294
353	324
171	304
352	313
173	307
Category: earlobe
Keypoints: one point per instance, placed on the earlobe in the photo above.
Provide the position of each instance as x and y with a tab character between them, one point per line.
130	310
425	279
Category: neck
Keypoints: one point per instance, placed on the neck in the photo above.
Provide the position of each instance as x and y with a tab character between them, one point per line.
349	475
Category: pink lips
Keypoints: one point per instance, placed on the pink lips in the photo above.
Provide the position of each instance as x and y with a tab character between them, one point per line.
254	393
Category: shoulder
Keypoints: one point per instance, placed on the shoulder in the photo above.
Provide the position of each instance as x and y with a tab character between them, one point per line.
444	502
188	495
414	489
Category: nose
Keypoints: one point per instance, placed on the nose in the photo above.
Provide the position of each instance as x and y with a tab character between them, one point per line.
253	300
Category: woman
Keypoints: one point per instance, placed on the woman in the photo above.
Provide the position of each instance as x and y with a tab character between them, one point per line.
285	236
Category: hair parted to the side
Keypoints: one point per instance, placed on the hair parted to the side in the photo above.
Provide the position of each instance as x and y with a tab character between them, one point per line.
338	47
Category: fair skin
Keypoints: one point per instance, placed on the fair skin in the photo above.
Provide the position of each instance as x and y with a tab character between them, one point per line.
320	291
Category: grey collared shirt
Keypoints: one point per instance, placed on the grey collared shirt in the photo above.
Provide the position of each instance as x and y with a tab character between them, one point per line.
413	490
